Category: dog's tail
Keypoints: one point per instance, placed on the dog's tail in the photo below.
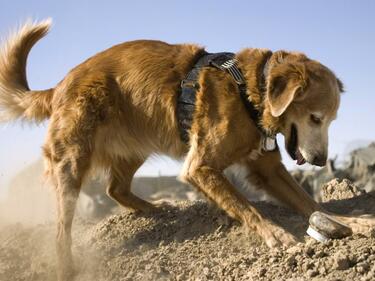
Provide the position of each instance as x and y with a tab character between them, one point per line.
17	101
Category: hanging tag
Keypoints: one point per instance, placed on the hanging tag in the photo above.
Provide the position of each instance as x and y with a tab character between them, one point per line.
269	143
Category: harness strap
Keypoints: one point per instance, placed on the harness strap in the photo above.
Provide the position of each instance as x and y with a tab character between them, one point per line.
186	100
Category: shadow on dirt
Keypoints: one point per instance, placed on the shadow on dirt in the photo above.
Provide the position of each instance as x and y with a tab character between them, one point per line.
176	225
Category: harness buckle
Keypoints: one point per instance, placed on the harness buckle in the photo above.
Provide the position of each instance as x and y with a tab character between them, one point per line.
230	65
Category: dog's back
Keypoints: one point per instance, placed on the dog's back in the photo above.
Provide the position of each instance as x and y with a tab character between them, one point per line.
130	87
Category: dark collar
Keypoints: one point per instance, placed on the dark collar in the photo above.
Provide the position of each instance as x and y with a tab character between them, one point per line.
257	112
268	140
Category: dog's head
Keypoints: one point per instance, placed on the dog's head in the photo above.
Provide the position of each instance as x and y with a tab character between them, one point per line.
304	95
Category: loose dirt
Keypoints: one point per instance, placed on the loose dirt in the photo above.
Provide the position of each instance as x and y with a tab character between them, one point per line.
194	241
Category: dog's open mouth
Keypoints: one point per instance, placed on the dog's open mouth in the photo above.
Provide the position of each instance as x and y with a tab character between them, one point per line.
292	147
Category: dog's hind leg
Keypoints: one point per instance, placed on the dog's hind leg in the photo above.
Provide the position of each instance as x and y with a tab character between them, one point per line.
68	165
69	149
121	175
68	187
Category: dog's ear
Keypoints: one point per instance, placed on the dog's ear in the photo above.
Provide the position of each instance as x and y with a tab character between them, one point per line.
285	84
340	85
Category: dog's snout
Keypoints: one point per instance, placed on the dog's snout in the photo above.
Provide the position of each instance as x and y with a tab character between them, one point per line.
320	160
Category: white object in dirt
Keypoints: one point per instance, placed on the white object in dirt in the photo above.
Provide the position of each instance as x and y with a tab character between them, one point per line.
317	235
323	227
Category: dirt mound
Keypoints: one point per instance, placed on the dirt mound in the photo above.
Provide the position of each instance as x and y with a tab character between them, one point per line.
193	241
336	190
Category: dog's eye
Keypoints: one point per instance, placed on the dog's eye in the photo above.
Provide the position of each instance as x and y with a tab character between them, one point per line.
316	120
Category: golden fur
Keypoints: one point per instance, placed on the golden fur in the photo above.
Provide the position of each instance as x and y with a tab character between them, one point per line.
118	107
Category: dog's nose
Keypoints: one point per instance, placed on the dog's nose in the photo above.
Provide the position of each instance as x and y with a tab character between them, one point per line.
320	160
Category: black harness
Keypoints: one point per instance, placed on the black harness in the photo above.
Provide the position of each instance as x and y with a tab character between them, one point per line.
189	86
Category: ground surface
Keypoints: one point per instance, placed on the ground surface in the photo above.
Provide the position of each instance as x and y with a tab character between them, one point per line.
193	241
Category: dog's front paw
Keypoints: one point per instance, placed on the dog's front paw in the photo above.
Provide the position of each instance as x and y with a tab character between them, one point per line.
276	236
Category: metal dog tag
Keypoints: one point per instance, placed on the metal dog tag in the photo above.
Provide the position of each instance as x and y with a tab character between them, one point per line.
269	143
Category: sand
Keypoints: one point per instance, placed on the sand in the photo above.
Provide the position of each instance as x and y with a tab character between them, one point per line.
193	241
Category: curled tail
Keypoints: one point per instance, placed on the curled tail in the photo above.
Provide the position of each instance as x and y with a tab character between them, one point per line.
17	101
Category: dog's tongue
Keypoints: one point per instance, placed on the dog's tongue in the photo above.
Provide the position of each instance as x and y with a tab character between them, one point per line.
300	159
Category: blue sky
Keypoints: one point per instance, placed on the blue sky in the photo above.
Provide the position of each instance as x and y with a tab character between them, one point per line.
340	34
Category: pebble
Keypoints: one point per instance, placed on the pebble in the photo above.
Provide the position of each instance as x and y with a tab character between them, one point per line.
341	262
262	272
312	273
319	254
309	251
322	270
362	267
308	265
295	249
291	261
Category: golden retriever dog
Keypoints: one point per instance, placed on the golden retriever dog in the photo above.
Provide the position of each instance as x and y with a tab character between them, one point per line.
119	107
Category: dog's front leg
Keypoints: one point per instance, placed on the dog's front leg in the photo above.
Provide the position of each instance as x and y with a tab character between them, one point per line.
304	203
271	175
217	188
